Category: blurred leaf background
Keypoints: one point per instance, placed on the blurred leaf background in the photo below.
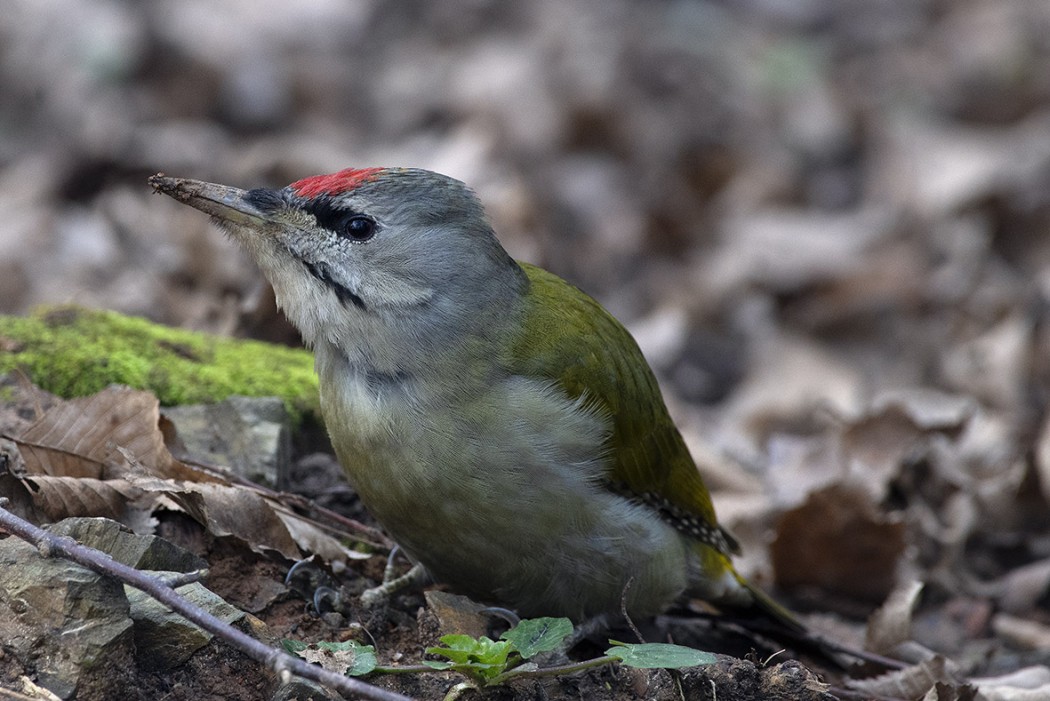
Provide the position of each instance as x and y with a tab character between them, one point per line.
825	221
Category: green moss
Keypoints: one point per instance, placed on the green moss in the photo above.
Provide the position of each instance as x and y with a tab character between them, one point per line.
72	352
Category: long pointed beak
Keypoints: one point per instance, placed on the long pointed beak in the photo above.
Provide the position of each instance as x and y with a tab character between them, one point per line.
220	201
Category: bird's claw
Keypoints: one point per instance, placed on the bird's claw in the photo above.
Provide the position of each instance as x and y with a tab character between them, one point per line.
381	594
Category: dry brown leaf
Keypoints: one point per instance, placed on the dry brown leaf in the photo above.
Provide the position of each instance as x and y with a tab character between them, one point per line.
891	276
261	521
312	539
235	511
890	624
957	164
1006	693
1026	684
1023	586
993	366
789	379
79	437
899	424
338	661
837	541
1023	633
942	691
174	470
57	498
928	409
787	249
911	682
875	448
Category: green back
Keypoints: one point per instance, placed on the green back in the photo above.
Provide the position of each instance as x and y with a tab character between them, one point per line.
569	338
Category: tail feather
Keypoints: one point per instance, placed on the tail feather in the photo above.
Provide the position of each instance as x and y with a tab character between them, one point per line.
765	606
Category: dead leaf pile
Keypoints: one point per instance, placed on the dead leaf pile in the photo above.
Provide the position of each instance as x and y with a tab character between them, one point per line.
105	455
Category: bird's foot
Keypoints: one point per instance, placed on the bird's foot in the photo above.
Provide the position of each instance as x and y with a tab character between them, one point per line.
310	581
414	578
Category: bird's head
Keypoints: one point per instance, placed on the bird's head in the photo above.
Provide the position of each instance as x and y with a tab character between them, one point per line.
380	262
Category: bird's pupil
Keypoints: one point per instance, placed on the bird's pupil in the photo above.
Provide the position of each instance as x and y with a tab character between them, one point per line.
359	227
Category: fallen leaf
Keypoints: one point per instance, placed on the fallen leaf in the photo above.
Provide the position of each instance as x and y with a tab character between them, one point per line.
78	437
890	624
57	498
1026	684
1026	634
838	542
1021	588
914	681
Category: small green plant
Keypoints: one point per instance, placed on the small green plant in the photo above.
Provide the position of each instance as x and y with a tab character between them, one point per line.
487	662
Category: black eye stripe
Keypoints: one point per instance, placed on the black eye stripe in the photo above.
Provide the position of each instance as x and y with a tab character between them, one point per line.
340	220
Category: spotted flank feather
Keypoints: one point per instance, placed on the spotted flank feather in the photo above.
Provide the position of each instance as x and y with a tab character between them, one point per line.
688	523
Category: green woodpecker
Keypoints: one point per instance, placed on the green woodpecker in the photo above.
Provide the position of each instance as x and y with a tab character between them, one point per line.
499	423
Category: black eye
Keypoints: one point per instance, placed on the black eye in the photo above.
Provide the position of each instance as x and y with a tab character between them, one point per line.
358	228
344	222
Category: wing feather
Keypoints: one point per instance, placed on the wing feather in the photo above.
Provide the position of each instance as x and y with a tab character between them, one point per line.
568	338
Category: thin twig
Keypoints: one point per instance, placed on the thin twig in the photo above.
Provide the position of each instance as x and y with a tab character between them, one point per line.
281	662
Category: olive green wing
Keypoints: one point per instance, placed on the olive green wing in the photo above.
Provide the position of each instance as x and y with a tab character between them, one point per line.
569	338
